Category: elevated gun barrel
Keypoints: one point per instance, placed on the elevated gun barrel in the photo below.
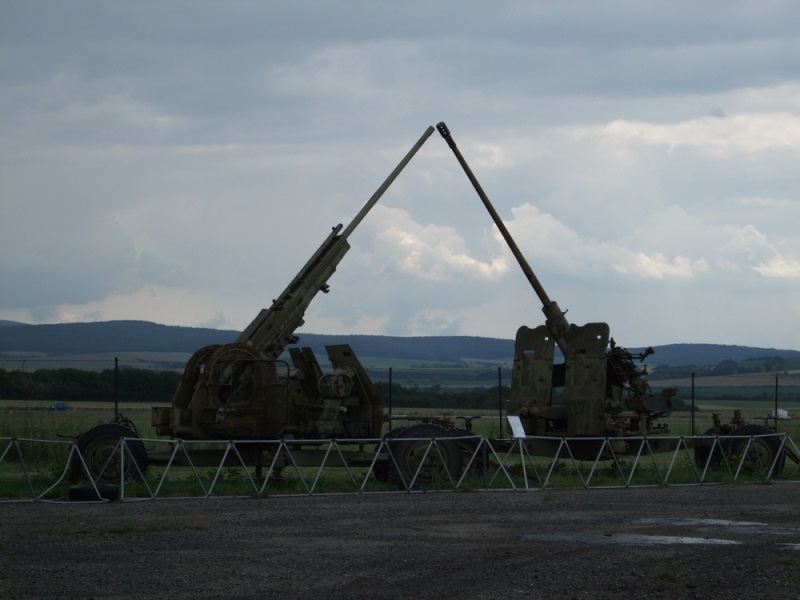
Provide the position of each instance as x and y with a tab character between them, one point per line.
556	321
273	329
385	185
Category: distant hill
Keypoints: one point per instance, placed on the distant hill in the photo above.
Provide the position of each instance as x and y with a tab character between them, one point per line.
712	354
9	323
108	336
143	336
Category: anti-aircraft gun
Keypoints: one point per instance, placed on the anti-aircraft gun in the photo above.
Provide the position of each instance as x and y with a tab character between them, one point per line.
598	391
245	390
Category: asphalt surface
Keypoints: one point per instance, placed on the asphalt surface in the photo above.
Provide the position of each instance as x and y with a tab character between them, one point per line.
711	541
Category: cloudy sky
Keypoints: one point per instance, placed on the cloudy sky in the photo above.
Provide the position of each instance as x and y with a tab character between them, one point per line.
179	161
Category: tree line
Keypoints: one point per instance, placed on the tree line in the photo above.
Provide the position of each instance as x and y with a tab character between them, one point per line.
764	364
69	385
145	385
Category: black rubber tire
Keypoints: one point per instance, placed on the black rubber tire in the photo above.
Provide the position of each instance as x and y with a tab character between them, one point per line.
702	451
468	448
384	470
98	444
409	452
87	493
761	453
396	431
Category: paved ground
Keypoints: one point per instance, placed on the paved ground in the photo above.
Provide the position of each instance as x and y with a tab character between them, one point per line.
732	541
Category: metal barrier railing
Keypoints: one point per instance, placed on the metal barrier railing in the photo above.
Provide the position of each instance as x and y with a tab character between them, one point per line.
492	465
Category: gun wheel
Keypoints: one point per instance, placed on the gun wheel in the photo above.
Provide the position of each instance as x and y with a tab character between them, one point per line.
702	452
471	450
238	375
418	460
759	454
101	451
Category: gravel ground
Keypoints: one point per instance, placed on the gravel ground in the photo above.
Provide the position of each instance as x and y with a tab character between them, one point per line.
731	541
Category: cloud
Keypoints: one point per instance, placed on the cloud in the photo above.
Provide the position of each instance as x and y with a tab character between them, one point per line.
428	251
713	136
748	248
566	251
658	266
150	303
779	267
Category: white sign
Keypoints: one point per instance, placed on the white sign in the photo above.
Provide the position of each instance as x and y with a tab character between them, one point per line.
516	427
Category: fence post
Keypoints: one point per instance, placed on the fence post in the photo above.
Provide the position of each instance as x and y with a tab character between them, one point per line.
390	398
692	402
776	403
500	399
116	387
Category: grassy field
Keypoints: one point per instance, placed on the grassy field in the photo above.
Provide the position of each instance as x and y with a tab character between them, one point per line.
34	419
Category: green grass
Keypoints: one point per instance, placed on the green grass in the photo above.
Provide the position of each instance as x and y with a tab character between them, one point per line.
34	420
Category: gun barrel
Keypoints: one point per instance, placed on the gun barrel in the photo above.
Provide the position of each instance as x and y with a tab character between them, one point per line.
556	320
273	328
385	185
